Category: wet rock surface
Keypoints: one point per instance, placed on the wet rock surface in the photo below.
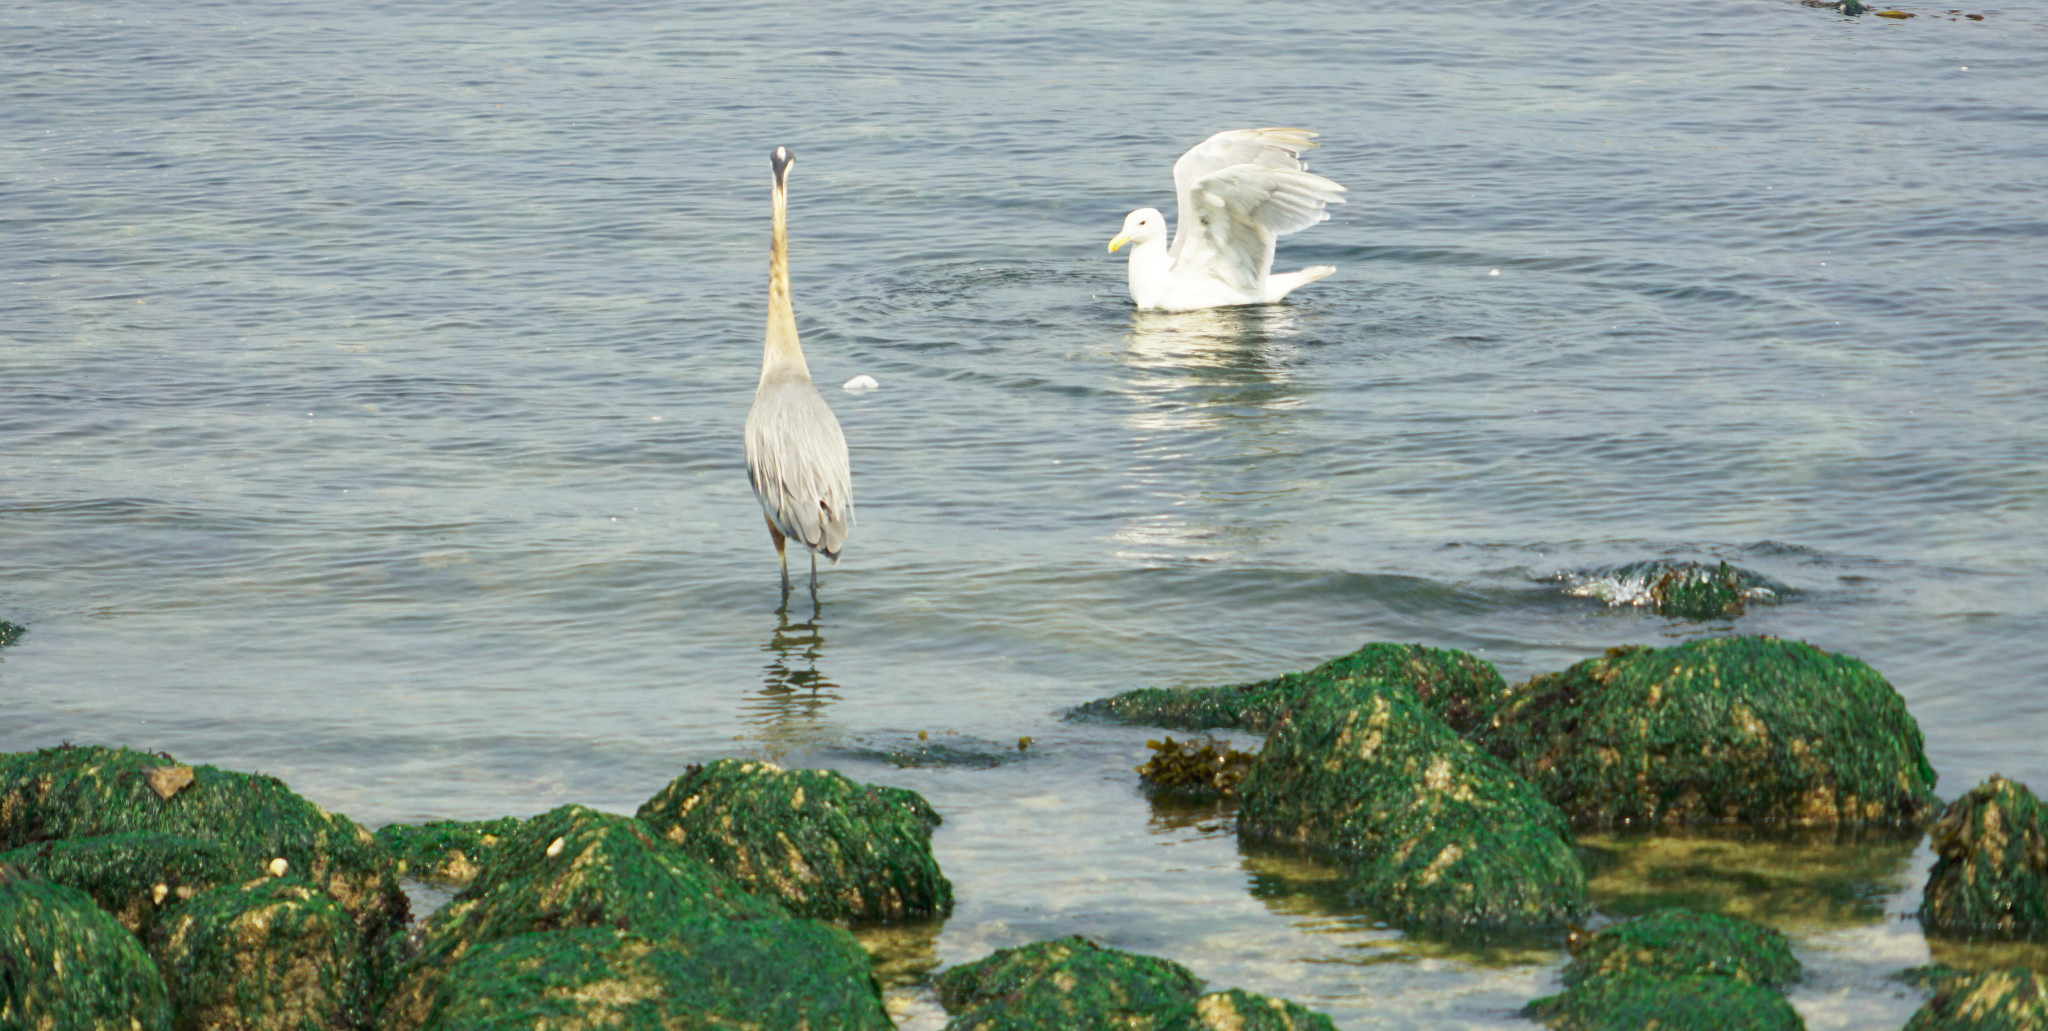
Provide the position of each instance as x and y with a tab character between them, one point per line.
1731	729
1991	880
572	867
137	877
66	964
275	954
1077	985
1675	970
766	973
822	844
444	852
70	793
1458	686
1996	1000
1438	835
1682	943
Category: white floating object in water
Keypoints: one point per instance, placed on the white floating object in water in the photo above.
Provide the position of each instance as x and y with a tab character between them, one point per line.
1495	272
860	382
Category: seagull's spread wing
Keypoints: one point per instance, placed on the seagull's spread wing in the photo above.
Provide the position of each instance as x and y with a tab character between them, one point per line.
1265	148
1229	218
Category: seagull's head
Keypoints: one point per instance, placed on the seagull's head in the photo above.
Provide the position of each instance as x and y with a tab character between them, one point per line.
1140	227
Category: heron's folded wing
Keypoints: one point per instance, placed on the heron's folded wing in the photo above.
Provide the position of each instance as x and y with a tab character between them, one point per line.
1237	213
796	458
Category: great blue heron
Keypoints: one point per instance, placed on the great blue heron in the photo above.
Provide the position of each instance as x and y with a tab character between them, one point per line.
1237	191
796	456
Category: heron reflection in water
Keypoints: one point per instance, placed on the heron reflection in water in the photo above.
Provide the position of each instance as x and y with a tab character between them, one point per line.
790	706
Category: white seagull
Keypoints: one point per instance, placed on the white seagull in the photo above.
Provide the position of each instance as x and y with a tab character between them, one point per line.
1237	192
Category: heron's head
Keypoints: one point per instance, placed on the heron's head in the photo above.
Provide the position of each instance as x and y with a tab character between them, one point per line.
1141	227
780	160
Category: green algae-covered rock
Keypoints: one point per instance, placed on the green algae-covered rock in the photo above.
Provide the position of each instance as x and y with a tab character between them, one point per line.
1458	686
1076	985
770	974
446	852
1680	943
69	792
568	868
1991	880
10	633
136	876
1726	729
1635	1001
275	954
1997	1000
1194	769
1440	835
820	843
1069	983
66	965
1694	591
1239	1010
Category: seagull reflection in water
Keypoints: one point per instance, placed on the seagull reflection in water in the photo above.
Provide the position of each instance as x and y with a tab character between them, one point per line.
794	694
1254	338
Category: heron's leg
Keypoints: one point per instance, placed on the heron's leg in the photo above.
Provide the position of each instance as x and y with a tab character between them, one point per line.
814	574
781	556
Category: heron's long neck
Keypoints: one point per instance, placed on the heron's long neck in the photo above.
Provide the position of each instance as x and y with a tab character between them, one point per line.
782	351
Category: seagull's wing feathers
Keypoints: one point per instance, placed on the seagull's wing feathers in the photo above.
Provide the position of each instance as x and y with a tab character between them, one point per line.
1230	218
1266	148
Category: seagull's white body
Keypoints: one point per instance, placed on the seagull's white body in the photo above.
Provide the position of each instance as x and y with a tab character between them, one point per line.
1238	191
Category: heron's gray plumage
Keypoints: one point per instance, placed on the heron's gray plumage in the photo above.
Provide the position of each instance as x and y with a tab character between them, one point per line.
796	454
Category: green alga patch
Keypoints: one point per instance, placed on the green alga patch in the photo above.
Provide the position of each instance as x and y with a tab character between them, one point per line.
136	876
1069	983
1681	943
78	792
1991	880
1438	835
66	965
10	633
571	867
276	954
820	843
1239	1010
769	974
446	852
1997	1000
1637	1000
1731	729
1458	686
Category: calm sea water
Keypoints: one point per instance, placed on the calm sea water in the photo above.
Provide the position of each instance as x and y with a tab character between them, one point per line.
371	379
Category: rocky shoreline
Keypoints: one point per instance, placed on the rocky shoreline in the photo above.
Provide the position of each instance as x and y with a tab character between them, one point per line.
141	892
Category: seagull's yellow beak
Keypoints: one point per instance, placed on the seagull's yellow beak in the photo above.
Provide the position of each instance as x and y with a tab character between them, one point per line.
1119	241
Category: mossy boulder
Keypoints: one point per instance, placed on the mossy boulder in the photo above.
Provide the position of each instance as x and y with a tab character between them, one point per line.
78	792
1727	729
572	867
823	845
1996	1000
1991	880
1070	983
1458	686
1439	835
1636	1000
770	973
139	876
10	633
1204	769
1682	943
445	852
66	965
1239	1010
275	954
1077	985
